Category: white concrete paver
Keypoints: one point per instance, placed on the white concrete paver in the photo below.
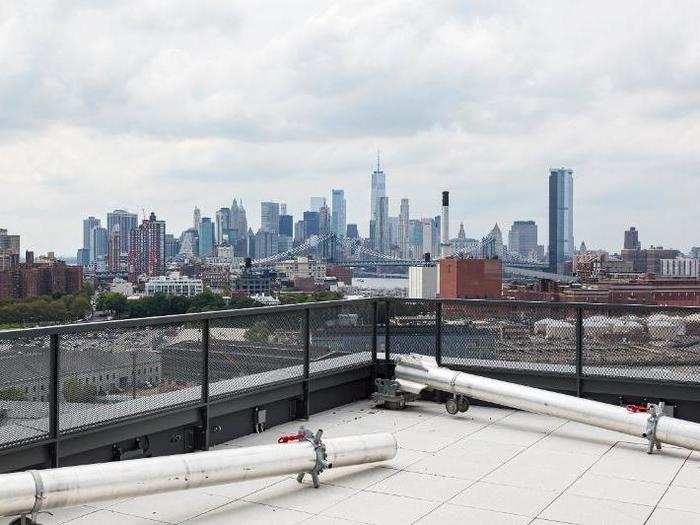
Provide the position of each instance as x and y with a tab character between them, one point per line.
486	466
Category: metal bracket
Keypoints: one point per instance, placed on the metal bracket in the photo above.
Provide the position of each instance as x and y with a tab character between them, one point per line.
390	395
142	450
321	458
656	412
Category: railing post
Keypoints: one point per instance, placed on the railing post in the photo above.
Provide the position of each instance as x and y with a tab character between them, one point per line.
374	333
387	331
438	332
306	401
206	434
579	351
54	407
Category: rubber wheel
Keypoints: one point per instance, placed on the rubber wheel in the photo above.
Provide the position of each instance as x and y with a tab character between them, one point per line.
462	404
451	406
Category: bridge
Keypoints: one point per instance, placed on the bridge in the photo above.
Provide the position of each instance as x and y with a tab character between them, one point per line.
342	251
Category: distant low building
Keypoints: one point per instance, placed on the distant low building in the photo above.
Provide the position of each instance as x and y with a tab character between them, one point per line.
174	285
302	267
422	282
685	267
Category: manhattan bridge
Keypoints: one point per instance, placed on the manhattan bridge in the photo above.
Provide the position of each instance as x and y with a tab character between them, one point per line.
342	251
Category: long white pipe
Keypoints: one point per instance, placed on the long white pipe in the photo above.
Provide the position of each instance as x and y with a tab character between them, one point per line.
415	372
36	490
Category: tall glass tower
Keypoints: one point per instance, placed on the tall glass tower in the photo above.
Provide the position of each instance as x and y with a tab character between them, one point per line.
338	214
561	218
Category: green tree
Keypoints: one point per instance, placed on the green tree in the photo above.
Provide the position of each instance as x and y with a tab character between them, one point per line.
12	394
112	302
76	392
258	332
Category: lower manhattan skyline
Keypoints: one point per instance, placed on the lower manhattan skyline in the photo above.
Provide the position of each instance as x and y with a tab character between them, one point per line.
247	103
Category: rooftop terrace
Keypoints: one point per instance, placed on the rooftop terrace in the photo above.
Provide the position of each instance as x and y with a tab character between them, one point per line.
83	394
489	465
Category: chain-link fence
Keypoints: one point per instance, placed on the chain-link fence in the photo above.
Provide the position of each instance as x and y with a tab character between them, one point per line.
340	337
515	337
412	327
633	343
24	390
114	373
254	350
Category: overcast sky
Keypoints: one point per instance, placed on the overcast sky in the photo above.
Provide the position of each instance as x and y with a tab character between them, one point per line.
163	105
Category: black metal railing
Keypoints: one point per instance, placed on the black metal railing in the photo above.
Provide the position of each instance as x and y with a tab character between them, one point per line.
60	382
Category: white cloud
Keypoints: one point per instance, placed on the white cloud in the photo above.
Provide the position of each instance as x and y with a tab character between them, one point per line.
164	105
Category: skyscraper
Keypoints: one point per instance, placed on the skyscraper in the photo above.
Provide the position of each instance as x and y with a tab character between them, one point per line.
427	237
403	228
632	239
238	220
206	237
561	217
127	222
98	244
310	224
522	238
114	248
338	220
270	217
352	231
196	217
315	203
223	225
378	190
88	225
382	226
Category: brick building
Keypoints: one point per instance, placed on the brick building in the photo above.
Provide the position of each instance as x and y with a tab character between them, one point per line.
470	278
45	277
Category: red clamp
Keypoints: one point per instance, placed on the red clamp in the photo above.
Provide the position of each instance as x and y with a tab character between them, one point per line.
636	408
286	438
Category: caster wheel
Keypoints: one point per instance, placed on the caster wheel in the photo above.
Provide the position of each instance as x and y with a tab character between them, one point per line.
451	406
462	404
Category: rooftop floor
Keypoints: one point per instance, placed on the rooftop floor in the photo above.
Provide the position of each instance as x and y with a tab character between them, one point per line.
488	465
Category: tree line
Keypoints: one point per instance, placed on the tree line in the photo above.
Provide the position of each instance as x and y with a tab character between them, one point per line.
45	309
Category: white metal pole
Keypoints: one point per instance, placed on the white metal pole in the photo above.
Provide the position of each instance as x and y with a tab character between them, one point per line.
415	372
32	491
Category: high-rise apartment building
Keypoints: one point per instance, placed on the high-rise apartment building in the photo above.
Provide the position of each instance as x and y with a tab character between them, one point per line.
114	248
631	240
9	244
196	217
338	217
145	249
98	244
88	225
206	237
403	228
561	218
522	238
270	216
127	222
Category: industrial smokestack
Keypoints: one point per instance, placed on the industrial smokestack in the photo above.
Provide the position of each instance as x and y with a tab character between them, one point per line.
445	221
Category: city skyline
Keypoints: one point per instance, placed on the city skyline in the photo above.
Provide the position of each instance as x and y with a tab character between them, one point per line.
199	106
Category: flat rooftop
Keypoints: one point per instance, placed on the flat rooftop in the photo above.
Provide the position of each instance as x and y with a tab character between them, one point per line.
488	465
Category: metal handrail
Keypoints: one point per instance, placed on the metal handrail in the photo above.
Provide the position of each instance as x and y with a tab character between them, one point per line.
172	319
